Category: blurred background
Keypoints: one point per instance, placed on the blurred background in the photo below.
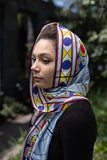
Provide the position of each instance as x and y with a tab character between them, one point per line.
20	23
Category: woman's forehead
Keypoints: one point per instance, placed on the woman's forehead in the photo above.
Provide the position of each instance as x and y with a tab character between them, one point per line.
44	47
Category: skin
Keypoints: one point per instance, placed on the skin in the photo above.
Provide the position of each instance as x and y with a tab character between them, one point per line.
44	63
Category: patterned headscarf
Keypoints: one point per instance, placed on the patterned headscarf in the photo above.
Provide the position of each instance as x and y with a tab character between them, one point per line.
71	80
71	76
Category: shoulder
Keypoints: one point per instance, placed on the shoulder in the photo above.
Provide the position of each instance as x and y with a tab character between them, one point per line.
75	133
78	118
78	110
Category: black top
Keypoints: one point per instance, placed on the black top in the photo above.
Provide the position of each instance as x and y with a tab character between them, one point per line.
74	134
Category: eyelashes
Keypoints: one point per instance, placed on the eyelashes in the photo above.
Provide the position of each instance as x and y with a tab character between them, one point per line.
33	60
43	60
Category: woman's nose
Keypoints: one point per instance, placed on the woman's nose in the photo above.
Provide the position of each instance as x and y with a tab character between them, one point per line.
35	67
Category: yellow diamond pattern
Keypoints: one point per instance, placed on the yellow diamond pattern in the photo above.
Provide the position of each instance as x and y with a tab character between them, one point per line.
68	75
48	105
64	32
48	110
79	94
35	100
69	33
64	52
39	100
33	139
62	76
30	149
70	52
49	95
65	106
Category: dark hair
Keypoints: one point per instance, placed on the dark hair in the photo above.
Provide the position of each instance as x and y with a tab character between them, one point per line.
50	32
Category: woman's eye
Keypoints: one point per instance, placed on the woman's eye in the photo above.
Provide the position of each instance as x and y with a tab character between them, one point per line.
46	61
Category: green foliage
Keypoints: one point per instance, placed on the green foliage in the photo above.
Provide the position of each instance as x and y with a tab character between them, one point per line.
11	107
98	100
104	73
20	141
17	157
87	18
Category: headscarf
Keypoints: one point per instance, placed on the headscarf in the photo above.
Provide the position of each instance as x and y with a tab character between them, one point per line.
71	80
71	76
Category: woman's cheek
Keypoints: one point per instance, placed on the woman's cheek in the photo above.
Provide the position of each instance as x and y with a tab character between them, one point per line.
49	73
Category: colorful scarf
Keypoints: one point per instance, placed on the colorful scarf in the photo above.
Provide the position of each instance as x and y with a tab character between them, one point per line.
71	80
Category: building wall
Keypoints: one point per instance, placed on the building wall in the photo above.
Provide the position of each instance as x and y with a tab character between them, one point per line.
10	50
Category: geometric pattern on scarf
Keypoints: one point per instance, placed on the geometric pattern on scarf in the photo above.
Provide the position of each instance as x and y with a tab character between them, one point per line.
38	140
70	84
71	73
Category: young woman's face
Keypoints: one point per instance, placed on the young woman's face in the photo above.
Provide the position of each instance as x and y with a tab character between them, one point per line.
44	63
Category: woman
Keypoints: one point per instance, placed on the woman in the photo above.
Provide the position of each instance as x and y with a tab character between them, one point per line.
63	126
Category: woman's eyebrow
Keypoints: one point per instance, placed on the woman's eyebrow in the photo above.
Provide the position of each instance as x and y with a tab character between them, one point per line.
43	55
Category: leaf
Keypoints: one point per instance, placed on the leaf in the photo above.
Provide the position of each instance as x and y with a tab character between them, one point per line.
85	2
93	36
104	73
103	35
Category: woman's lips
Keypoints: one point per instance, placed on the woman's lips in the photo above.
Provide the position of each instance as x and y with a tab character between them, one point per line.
37	78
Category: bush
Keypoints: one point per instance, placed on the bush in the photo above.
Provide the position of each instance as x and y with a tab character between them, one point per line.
98	99
11	107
